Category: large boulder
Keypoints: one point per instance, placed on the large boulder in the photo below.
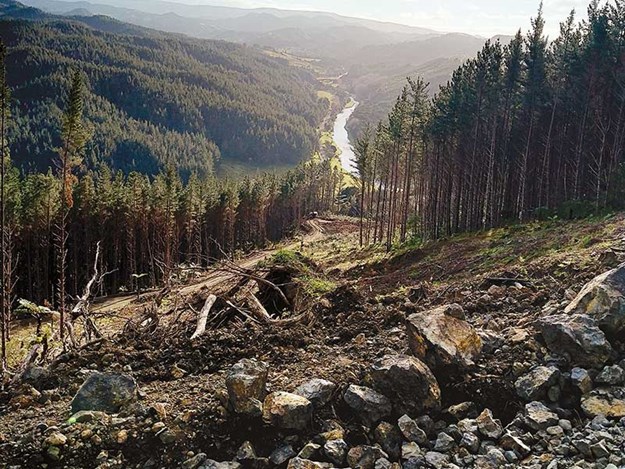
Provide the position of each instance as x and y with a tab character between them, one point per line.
106	392
317	391
441	339
246	383
539	417
368	404
534	385
603	404
288	411
408	382
578	337
603	299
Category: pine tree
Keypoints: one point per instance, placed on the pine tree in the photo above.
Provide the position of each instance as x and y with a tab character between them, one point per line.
74	137
6	282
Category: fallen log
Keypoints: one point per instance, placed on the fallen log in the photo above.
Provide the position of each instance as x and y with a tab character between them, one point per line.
257	308
203	317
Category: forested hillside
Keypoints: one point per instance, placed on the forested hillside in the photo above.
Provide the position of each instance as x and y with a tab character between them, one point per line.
524	130
154	98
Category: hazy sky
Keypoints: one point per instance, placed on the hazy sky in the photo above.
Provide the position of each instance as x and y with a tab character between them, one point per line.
484	17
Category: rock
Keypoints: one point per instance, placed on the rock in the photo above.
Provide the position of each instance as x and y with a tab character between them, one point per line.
336	451
246	383
471	442
436	459
368	404
87	416
442	340
167	437
408	382
384	463
194	462
36	376
246	452
288	411
608	406
309	451
106	392
539	417
210	464
56	439
411	431
54	453
535	385
514	443
410	450
578	337
444	443
603	298
462	411
580	379
318	391
364	457
389	438
299	463
611	375
488	426
281	455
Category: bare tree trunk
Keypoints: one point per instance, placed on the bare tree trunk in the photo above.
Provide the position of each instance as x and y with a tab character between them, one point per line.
203	317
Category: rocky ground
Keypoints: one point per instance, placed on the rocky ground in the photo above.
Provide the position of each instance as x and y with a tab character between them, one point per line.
504	349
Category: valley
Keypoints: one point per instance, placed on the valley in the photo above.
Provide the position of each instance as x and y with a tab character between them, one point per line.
251	237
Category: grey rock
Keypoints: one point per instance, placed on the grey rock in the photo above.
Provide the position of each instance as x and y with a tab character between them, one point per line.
535	385
488	426
336	451
581	380
471	442
287	411
411	431
444	443
246	452
389	438
246	382
370	405
539	417
410	450
364	457
603	298
436	459
599	450
578	337
383	463
318	391
442	339
106	392
194	462
514	443
611	375
408	382
281	455
299	463
36	376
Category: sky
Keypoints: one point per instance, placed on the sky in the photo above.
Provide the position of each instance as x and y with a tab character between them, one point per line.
482	17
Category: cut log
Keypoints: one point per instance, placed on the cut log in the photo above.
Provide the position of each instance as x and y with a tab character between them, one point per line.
203	317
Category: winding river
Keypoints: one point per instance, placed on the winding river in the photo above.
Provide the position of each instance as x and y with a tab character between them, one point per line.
341	138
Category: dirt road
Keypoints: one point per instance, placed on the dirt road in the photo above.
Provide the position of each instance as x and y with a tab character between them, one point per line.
314	231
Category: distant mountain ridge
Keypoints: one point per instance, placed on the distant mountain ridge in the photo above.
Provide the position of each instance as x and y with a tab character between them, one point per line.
154	98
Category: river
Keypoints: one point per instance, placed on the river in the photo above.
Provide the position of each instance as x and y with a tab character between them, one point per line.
341	138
